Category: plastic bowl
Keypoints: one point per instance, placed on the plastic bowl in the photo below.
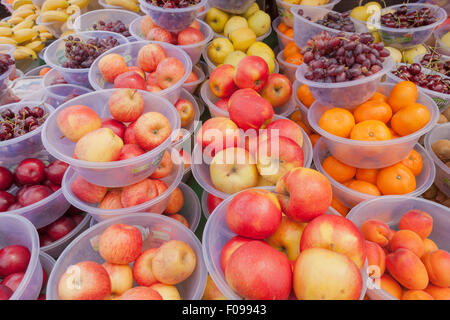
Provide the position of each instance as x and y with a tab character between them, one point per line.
205	210
442	180
114	173
173	20
15	230
57	28
193	50
442	100
200	165
47	263
347	94
53	77
130	52
189	129
232	6
192	86
54	56
305	29
156	205
191	209
406	38
260	38
389	210
17	149
303	109
286	68
210	99
160	229
88	19
27	88
438	33
285	14
55	95
55	248
217	233
202	14
35	71
351	198
283	39
372	154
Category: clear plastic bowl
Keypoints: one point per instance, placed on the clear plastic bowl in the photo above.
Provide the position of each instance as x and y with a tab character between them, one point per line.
286	68
55	248
285	14
438	33
47	263
205	210
372	154
191	209
56	28
193	50
54	56
210	99
186	175
200	165
406	38
232	6
35	71
217	233
351	198
192	86
55	95
156	205
160	229
114	173
27	88
303	109
389	210
189	129
15	230
173	20
202	14
51	78
347	94
88	19
17	149
305	29
441	99
442	180
283	39
130	52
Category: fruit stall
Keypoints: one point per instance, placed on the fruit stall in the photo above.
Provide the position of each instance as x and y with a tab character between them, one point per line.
224	150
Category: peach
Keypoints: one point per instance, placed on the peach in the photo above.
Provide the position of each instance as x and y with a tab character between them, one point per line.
405	267
409	240
86	191
101	145
391	286
438	267
176	201
76	121
375	258
416	295
376	231
138	193
438	293
418	221
429	245
111	65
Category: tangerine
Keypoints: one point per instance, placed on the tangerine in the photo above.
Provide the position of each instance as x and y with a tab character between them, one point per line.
403	94
368	175
370	130
290	49
295	58
410	119
337	170
337	121
373	110
414	162
305	96
364	187
396	179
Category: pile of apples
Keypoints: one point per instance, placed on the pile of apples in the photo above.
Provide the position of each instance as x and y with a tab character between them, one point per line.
111	139
35	181
155	71
406	263
156	271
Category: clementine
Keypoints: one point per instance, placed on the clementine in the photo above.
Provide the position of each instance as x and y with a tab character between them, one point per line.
402	94
410	119
368	175
414	162
364	187
337	170
370	130
305	96
396	179
337	121
373	110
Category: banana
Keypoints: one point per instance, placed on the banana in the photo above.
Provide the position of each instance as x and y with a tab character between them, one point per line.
25	24
33	16
80	3
23	35
44	36
22	52
8	40
19	3
15	20
5	24
6	32
54	15
54	4
127	4
73	9
36	45
26	7
23	13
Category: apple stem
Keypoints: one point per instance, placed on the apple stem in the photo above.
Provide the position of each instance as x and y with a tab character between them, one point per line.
133	93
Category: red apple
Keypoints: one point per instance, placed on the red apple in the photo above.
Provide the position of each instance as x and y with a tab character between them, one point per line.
126	105
149	56
54	187
176	201
120	244
221	81
13	259
141	293
277	90
76	121
112	200
138	70
112	65
164	167
192	77
121	277
116	126
14	206
161	187
217	134
142	268
189	36
153	89
130	151
86	191
6	200
146	24
180	219
159	34
169	71
212	202
251	72
229	248
151	80
29	171
152	129
44	240
139	193
131	80
13	280
101	145
222	104
129	137
60	228
5	292
54	172
34	194
77	218
186	111
286	128
6	179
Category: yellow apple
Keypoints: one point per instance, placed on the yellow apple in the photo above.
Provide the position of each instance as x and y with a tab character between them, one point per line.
410	54
219	49
264	183
253	8
243	38
259	22
234	58
260	47
216	19
359	13
268	59
234	23
395	54
446	39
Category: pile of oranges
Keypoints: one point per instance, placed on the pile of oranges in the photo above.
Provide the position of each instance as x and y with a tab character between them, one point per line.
292	54
286	30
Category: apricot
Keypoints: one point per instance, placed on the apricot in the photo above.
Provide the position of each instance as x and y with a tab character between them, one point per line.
438	293
429	245
409	240
437	264
418	221
406	267
376	231
375	258
416	295
391	286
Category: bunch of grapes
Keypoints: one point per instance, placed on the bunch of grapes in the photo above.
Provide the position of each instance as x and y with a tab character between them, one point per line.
433	61
116	26
403	18
15	124
173	3
338	21
414	73
342	57
81	54
5	62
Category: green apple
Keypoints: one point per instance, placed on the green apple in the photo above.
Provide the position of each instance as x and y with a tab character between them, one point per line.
259	22
219	49
234	23
446	39
395	54
410	54
216	19
253	8
234	58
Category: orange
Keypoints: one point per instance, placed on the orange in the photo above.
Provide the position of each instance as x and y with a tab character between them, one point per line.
305	96
368	175
379	97
337	170
295	58
396	179
282	27
289	33
290	49
337	121
403	94
410	119
296	116
414	162
364	187
339	207
304	127
314	138
370	130
43	71
394	134
373	110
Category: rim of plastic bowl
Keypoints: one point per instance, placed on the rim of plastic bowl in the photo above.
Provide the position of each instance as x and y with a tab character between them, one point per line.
77	23
197	206
52	65
418	58
417	192
149	6
282	61
195	122
205	210
64	85
33	71
438	162
8	49
111	164
200	75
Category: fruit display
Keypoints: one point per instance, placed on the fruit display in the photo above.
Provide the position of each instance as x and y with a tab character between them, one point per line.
402	18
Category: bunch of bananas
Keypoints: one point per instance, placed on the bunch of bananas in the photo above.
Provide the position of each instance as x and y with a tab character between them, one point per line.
61	10
132	5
